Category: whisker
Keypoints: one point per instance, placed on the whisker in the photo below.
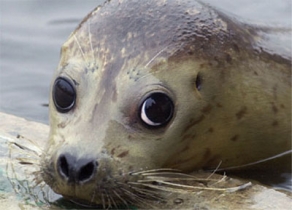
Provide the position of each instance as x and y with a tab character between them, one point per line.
176	174
149	193
215	170
178	179
136	198
146	191
173	176
28	161
155	56
79	46
182	188
109	203
260	161
25	149
123	200
224	178
145	75
90	38
152	170
113	201
30	141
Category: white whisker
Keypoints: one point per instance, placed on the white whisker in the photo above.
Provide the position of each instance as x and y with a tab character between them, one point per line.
90	38
153	170
136	198
109	203
215	170
149	193
257	162
171	173
79	46
180	188
152	59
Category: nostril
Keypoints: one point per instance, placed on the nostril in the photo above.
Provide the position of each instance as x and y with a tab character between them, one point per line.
87	171
76	170
63	166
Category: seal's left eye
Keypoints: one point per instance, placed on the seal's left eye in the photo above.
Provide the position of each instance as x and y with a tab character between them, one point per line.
64	95
156	110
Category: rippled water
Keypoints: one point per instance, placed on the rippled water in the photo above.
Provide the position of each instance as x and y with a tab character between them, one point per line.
32	32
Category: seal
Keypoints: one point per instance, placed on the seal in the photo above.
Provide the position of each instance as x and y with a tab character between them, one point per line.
150	87
24	141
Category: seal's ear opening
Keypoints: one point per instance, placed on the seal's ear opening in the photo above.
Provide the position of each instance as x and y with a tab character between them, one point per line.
64	95
156	110
199	82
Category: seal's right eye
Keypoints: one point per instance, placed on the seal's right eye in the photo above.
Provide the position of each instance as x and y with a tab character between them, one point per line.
156	110
64	95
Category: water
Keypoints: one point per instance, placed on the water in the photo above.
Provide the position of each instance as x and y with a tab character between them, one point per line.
32	32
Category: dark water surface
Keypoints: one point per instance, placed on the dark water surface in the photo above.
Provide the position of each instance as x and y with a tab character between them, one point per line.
32	32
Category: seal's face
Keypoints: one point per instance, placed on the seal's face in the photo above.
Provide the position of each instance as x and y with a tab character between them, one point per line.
146	86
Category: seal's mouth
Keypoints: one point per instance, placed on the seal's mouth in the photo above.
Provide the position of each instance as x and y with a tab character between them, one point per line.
142	189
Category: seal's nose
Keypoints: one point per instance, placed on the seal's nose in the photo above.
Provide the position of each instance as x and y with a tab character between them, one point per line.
76	170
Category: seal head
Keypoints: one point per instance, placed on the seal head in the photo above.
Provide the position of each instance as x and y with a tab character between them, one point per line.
144	87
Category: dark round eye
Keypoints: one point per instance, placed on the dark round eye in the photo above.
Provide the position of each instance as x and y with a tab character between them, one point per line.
64	95
156	110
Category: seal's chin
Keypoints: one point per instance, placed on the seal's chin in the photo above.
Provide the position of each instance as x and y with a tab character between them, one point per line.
104	203
83	203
